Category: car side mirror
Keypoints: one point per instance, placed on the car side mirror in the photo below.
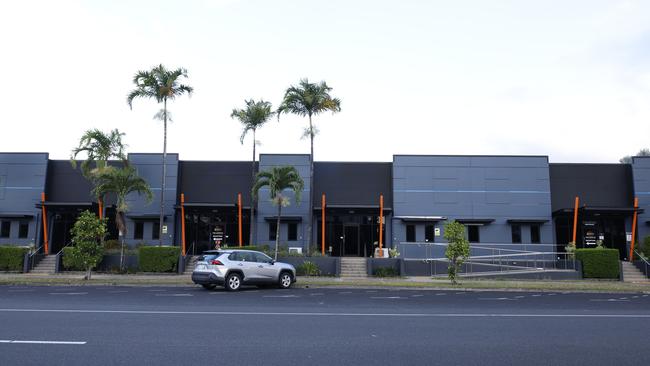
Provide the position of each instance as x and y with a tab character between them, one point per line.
272	262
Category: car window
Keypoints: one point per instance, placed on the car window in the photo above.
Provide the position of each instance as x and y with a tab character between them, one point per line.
262	258
236	256
248	257
208	257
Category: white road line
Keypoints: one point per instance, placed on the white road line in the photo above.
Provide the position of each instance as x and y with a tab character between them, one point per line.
20	290
117	292
174	295
283	296
394	315
387	297
496	298
41	342
441	294
317	294
49	342
68	293
417	295
345	292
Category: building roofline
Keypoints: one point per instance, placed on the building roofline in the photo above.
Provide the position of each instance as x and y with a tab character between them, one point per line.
471	156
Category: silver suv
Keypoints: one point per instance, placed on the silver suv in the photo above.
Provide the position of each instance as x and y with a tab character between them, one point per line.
234	268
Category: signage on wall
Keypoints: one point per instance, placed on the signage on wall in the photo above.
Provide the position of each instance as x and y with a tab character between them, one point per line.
436	231
164	229
628	237
589	229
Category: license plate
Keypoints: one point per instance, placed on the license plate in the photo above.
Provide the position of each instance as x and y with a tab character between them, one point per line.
201	266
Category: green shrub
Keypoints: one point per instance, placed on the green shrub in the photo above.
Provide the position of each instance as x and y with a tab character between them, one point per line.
159	259
11	258
68	260
385	272
112	245
308	268
598	263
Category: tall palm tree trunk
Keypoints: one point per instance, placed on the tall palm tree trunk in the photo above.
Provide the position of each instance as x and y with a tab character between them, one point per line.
164	178
311	184
277	229
253	200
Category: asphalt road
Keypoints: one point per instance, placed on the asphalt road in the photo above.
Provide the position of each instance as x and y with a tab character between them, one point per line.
190	326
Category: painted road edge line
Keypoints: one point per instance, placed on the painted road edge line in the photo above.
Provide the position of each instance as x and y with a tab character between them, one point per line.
42	342
404	315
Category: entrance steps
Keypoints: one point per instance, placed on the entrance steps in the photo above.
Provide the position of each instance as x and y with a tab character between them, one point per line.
191	263
633	274
354	267
47	265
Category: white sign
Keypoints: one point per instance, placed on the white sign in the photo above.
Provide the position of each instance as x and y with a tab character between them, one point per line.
436	231
164	229
628	237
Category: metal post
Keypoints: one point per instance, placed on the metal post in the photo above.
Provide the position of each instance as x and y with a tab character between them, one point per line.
183	223
636	205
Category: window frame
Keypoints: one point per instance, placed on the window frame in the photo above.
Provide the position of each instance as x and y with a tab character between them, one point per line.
410	233
155	233
515	229
5	224
273	230
139	224
477	230
292	226
430	233
21	225
535	234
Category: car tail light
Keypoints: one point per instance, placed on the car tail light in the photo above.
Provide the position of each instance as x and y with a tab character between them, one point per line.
216	262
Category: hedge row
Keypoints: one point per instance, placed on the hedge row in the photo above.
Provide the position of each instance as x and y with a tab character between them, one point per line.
11	258
67	261
159	259
599	263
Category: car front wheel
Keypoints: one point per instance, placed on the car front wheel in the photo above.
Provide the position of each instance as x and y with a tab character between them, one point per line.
233	282
285	280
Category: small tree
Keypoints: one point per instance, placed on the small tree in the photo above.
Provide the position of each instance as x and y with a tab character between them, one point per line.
457	249
87	234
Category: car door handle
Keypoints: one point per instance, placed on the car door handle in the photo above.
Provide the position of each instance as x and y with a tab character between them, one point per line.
240	264
260	266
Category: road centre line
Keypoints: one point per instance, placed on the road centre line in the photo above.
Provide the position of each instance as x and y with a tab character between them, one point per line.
324	314
42	342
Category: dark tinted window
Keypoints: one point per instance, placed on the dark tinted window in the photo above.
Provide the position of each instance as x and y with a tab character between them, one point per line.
23	229
293	231
208	257
534	234
272	230
410	233
473	234
262	258
155	231
429	233
5	229
516	233
138	233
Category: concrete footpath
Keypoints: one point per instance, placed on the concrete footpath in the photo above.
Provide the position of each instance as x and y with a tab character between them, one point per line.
153	279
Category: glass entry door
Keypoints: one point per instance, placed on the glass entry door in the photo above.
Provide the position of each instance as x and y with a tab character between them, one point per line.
351	240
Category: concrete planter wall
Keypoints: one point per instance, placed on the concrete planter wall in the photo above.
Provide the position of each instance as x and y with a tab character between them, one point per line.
111	262
329	266
395	263
438	268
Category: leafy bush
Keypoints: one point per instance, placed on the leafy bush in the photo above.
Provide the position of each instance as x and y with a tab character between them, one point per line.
87	233
308	268
11	258
598	263
385	272
159	259
68	262
112	245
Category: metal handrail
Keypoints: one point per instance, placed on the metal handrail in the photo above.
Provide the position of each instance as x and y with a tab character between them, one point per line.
35	251
31	263
646	264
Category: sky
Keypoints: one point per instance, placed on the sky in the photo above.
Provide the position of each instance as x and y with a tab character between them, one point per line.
569	79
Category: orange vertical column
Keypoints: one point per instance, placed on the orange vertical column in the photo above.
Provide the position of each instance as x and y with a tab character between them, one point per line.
183	222
239	218
100	203
575	219
636	206
44	214
322	224
381	223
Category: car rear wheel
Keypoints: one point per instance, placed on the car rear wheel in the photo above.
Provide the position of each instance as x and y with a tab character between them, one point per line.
233	282
210	286
285	280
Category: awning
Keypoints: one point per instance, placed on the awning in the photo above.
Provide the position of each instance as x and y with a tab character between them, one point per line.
283	218
421	218
475	221
527	221
64	204
147	217
352	207
16	215
208	205
600	210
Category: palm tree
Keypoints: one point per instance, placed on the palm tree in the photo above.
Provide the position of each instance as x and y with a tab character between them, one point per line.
309	99
253	116
162	85
278	179
99	147
122	182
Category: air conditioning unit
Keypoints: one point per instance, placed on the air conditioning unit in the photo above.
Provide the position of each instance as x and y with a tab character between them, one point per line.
295	250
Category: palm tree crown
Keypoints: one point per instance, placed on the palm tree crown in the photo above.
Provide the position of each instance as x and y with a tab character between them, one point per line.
253	116
308	99
160	84
99	147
